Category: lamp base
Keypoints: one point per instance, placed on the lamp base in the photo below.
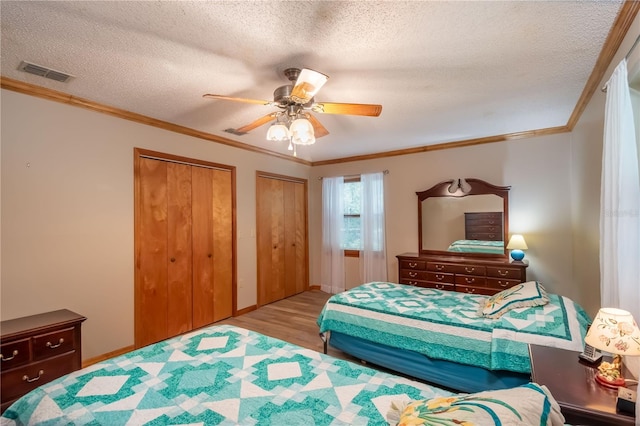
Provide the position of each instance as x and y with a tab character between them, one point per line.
517	255
613	384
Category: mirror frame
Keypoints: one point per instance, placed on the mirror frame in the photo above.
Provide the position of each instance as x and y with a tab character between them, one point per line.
478	187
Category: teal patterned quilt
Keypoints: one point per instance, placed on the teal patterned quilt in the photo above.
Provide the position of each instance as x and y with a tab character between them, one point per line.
445	324
477	246
220	375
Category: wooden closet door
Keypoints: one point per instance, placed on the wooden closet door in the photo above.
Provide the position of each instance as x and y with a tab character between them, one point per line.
212	245
163	266
281	238
270	240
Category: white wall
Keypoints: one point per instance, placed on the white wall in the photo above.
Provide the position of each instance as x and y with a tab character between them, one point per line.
67	212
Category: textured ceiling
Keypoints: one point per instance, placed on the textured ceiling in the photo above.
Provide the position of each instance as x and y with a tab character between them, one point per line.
442	70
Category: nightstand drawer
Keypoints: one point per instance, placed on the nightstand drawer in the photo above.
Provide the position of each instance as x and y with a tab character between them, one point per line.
52	344
24	379
14	354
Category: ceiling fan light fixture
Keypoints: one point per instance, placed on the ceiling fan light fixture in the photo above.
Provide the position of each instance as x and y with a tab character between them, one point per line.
302	133
307	85
278	132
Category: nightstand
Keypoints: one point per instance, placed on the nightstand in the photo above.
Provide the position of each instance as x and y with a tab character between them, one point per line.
571	382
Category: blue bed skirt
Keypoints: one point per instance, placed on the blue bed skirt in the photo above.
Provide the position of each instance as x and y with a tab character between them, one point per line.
457	377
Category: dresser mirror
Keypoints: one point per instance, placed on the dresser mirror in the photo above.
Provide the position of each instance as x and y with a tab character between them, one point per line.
464	217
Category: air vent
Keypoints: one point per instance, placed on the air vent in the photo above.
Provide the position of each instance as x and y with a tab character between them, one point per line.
44	72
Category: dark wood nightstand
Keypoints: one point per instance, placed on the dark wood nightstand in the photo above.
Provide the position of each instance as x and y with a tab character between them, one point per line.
571	382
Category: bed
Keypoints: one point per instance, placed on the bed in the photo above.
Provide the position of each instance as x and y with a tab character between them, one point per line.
231	376
438	336
476	246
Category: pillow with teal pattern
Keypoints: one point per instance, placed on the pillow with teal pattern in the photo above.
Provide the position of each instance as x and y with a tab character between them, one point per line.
521	295
529	404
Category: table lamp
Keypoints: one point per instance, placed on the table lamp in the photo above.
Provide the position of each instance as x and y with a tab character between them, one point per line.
516	245
615	331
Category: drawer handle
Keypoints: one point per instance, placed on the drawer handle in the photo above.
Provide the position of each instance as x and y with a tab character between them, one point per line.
503	284
27	379
503	273
52	346
470	280
469	290
440	286
412	264
413	282
467	269
492	236
491	222
13	355
439	267
439	277
413	274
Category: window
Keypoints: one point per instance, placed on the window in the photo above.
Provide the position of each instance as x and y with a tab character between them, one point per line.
351	239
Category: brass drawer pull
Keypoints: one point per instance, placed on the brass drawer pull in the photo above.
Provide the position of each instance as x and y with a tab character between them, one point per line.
503	284
468	269
470	290
440	287
439	277
412	282
470	280
439	267
27	379
52	346
13	355
503	273
412	264
413	274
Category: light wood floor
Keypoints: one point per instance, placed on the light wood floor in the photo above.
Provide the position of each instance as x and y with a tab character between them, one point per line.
292	319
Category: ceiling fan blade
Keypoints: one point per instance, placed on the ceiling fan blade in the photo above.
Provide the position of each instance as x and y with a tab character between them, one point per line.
371	110
318	129
232	98
307	85
259	122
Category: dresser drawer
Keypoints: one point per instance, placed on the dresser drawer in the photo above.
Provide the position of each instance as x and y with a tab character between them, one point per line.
414	275
469	269
21	380
441	267
14	354
501	284
440	277
470	280
485	236
475	290
54	343
500	272
413	264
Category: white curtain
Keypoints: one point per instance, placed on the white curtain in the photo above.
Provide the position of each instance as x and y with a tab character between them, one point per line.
373	255
620	201
620	204
332	262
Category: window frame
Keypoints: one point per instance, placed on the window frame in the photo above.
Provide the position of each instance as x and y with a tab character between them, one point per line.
352	252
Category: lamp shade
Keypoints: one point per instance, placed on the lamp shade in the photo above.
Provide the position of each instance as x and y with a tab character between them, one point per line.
278	132
517	243
302	132
615	331
307	85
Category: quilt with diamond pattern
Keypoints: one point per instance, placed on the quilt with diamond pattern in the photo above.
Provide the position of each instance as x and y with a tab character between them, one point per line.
445	324
220	375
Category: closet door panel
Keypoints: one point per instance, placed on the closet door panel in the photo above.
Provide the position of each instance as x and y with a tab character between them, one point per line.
202	212
301	262
151	258
179	261
270	196
222	245
289	267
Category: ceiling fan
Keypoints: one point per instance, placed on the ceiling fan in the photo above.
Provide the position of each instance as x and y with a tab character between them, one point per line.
294	122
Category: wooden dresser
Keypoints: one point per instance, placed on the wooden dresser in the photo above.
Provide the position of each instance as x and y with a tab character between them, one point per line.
37	349
485	226
469	275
